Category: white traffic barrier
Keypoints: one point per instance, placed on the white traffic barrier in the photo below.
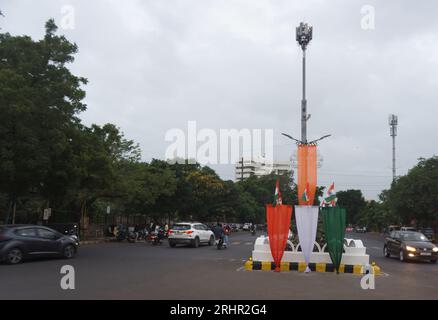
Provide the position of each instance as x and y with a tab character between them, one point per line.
355	252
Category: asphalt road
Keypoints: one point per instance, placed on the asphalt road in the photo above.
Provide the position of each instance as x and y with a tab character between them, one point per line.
140	271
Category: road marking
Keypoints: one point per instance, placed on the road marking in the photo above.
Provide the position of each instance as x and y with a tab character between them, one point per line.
240	269
248	243
236	242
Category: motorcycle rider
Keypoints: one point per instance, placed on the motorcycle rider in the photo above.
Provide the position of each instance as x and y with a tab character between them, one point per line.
166	229
218	231
253	229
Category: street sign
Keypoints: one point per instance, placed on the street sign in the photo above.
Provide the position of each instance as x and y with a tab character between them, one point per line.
108	210
47	213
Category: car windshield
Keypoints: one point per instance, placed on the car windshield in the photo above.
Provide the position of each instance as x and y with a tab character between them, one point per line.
181	227
413	236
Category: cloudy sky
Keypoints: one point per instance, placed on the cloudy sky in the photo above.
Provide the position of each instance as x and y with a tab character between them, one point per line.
154	65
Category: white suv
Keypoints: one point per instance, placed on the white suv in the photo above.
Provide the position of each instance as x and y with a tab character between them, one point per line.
192	233
246	226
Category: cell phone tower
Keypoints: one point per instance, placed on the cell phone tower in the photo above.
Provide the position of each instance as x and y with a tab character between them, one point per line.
393	122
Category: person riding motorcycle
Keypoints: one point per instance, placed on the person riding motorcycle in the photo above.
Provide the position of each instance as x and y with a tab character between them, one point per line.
218	231
253	229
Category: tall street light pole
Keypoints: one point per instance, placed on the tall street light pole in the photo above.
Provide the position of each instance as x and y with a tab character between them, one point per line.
303	36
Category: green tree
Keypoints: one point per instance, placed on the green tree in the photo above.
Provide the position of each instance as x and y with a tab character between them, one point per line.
197	195
39	101
353	201
414	197
372	216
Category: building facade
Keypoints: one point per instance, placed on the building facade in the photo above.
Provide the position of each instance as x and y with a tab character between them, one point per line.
246	168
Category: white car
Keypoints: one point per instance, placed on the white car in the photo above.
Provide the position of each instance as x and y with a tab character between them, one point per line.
246	226
191	233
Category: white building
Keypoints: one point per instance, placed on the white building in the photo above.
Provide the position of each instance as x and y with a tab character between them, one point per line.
260	167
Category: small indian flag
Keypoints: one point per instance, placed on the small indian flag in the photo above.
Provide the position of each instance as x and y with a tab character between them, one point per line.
305	196
277	195
330	199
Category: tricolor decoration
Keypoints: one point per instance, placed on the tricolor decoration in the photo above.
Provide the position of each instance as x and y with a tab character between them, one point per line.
334	227
306	174
278	219
307	223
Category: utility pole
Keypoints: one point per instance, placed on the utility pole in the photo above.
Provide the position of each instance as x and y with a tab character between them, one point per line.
393	122
303	36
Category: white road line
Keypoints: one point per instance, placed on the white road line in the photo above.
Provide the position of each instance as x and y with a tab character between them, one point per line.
248	243
236	242
240	269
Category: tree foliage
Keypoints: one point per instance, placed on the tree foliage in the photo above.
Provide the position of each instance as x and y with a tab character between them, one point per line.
414	197
353	201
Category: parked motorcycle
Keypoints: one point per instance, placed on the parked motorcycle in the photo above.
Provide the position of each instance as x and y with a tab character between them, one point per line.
132	236
121	235
141	235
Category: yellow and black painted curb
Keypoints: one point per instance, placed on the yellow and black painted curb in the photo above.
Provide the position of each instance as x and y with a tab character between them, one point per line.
301	267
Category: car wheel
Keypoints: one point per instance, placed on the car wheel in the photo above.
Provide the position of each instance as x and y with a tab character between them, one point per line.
386	252
211	242
68	252
402	256
196	242
172	244
14	256
432	261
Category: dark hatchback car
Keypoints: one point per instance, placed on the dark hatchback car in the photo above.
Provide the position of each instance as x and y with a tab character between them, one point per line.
410	245
20	242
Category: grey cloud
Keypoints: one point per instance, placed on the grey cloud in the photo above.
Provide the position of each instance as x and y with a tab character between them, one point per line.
154	65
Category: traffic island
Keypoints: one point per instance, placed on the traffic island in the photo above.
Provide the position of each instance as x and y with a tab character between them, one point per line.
354	258
316	267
